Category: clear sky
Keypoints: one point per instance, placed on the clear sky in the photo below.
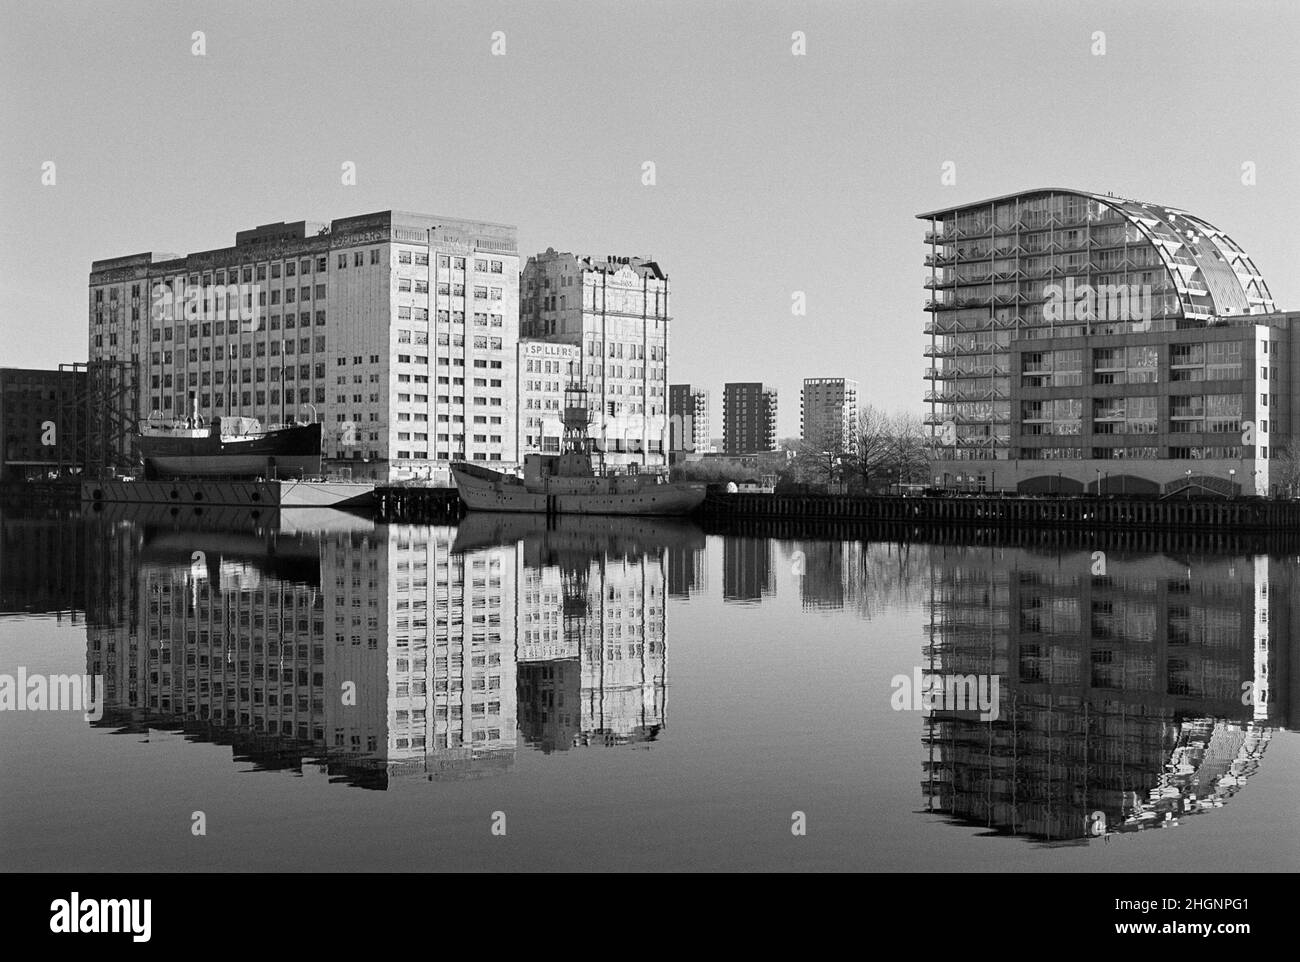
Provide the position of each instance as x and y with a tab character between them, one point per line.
775	173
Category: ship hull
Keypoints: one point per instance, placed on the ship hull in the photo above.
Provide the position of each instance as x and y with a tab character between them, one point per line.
287	453
232	466
483	490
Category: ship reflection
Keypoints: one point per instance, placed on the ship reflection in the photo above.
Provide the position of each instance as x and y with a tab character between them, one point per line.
379	654
1135	691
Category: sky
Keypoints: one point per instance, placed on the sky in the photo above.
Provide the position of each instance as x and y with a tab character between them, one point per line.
775	173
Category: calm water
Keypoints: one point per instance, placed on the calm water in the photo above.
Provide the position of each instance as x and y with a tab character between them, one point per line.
335	695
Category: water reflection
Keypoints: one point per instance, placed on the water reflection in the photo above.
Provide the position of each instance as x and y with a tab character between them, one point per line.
1136	687
384	652
1135	691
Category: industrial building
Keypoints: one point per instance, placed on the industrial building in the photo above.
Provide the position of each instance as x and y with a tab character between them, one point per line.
615	309
398	331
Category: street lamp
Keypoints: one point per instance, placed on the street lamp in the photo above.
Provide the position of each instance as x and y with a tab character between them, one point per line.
1189	484
1232	481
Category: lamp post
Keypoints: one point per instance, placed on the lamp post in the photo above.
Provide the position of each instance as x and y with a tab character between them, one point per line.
1232	481
1189	484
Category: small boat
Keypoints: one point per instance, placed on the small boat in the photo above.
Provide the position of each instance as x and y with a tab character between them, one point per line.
228	447
568	483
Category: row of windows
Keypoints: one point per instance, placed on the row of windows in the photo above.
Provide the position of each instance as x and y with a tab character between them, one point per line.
245	399
244	274
446	262
1229	452
243	376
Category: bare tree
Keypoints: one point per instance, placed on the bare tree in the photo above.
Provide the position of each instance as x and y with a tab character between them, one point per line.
1285	473
824	459
888	449
871	447
909	456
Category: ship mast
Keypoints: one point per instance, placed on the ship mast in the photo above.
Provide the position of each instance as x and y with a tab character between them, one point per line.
577	418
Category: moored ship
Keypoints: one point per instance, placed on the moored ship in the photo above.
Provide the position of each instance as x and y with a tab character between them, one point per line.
568	483
229	447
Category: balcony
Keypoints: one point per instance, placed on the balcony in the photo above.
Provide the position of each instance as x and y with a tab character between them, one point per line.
935	350
970	278
975	392
975	228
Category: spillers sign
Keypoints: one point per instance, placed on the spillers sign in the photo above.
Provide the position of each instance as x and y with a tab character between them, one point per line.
547	349
357	238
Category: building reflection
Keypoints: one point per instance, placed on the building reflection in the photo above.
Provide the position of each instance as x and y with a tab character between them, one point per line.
1134	690
41	562
687	569
591	617
747	575
381	653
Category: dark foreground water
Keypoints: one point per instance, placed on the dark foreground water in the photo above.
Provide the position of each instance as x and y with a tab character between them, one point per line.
321	693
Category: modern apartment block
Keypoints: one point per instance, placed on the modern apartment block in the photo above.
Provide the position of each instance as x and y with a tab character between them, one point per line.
748	417
398	331
545	370
828	413
616	310
1135	347
688	419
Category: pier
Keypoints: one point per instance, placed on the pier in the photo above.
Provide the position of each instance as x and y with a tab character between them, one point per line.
411	504
234	494
1083	513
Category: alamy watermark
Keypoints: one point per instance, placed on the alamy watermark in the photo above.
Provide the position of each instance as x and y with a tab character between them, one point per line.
239	302
931	692
1103	302
37	692
76	915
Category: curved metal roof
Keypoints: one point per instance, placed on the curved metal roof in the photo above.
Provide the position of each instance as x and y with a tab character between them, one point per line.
1202	260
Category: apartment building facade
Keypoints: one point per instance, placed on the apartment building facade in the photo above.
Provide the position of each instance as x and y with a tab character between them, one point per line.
1085	330
688	419
615	309
397	330
748	417
828	412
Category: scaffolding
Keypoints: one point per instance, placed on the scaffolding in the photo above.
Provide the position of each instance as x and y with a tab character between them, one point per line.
98	405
